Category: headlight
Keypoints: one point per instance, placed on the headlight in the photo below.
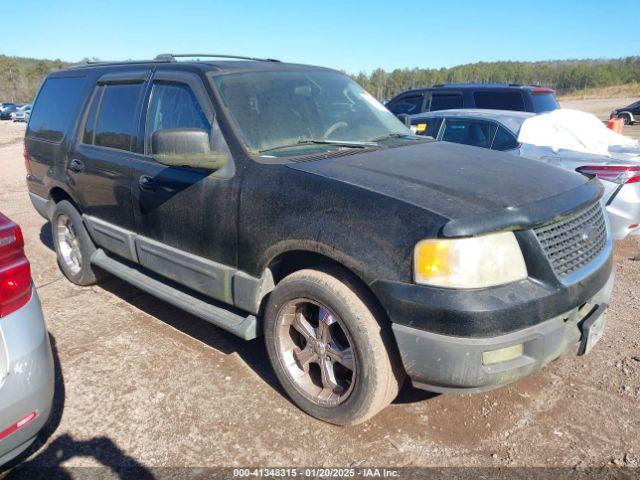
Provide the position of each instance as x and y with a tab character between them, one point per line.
474	262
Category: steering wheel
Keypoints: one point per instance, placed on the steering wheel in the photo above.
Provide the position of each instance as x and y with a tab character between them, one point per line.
334	127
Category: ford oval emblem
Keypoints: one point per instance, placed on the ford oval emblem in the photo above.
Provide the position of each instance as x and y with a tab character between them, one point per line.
589	234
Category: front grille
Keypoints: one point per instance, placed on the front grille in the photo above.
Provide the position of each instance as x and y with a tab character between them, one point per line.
573	242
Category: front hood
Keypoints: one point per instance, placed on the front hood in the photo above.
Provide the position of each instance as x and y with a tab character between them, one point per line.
477	190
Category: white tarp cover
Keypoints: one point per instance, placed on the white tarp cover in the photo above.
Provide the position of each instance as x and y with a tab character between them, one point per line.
573	132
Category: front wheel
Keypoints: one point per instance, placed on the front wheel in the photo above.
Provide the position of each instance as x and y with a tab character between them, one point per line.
626	119
329	351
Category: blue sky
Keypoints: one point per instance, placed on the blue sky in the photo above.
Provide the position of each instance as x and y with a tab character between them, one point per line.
349	35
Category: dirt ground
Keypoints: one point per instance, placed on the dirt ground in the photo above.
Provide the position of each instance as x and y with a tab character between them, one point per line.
141	383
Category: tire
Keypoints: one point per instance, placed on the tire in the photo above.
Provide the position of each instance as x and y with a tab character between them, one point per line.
74	249
626	118
375	377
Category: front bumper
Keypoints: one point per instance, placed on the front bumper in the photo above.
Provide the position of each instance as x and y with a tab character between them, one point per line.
444	363
26	376
623	209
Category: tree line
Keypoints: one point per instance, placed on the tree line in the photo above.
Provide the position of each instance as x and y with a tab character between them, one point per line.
21	77
564	76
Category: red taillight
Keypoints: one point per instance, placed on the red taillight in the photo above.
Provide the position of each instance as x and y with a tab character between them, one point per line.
18	425
15	271
620	174
25	154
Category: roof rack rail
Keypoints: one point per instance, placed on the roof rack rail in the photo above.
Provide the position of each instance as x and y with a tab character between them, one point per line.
171	57
117	62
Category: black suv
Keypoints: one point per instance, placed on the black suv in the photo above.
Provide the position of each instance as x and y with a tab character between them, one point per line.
629	114
283	200
494	96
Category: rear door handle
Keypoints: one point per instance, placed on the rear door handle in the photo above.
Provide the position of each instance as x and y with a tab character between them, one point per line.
76	165
145	182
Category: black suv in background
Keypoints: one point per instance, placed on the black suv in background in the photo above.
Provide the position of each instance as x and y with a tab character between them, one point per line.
494	96
629	114
283	200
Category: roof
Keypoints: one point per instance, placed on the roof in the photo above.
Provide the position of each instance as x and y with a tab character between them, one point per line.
204	62
474	86
512	120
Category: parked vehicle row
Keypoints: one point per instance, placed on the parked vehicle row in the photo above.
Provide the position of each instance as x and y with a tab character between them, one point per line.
284	201
15	112
500	130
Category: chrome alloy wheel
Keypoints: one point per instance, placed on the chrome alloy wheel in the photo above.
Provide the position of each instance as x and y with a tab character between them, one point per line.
316	352
68	244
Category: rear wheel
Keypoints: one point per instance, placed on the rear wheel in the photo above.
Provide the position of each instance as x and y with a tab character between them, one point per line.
73	245
327	348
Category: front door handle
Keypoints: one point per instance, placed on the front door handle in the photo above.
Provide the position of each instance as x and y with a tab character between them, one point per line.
145	182
76	165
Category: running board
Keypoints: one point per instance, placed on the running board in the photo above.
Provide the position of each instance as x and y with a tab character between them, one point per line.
243	327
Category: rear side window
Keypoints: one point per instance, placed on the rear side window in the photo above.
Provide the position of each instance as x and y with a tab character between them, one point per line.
117	122
445	101
507	100
468	132
409	105
55	108
504	140
544	102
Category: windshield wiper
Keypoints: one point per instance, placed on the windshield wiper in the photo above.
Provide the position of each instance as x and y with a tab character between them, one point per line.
391	135
321	142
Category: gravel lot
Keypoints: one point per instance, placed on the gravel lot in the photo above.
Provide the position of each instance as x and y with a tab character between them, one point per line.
141	383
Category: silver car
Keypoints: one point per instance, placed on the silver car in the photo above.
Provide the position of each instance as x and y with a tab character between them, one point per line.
26	362
22	114
500	129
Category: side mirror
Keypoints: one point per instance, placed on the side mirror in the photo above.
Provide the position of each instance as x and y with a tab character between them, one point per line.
180	147
404	118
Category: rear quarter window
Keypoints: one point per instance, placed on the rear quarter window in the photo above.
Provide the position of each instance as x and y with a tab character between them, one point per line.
507	100
544	102
56	108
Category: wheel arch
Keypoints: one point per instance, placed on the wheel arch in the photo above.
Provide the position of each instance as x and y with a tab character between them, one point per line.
57	194
292	260
625	113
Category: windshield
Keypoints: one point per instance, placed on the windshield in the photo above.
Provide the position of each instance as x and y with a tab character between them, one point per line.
281	109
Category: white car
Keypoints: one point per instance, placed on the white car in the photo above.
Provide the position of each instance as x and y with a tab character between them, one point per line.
566	138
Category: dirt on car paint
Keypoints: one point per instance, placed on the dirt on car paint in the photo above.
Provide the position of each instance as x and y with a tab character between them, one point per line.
142	383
